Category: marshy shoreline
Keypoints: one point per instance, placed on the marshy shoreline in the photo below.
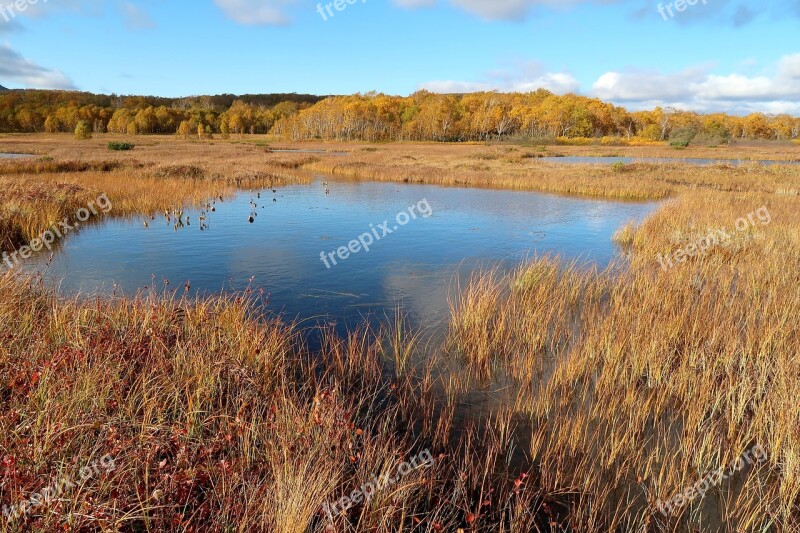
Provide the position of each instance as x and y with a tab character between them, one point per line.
621	388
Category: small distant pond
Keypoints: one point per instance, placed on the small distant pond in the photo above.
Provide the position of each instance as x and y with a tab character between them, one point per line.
304	151
587	160
15	156
417	265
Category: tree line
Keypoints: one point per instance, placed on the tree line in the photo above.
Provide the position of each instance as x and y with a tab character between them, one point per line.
31	111
422	116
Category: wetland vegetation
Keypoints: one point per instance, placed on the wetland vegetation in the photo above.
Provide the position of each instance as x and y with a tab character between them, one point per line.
563	396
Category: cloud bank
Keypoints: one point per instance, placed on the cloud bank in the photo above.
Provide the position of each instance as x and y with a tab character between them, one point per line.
694	89
17	70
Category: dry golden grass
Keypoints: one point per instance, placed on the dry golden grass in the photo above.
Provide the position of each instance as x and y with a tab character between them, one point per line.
512	168
219	419
609	391
639	381
40	192
65	146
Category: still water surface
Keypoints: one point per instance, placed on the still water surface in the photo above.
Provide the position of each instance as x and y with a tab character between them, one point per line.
416	266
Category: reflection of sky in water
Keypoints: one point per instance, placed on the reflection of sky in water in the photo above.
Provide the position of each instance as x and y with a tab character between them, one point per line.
281	250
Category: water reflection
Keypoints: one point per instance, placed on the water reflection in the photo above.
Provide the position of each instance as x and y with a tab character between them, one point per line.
280	250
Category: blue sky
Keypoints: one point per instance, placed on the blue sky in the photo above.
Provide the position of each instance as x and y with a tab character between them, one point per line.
726	55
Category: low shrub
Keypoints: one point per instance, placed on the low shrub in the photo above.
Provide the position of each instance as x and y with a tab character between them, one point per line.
682	138
120	146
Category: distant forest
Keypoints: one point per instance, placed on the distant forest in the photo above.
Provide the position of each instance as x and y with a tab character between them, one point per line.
422	116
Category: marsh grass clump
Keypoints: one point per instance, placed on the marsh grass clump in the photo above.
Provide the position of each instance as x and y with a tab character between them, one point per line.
46	165
625	235
181	171
478	310
403	343
486	156
537	155
293	162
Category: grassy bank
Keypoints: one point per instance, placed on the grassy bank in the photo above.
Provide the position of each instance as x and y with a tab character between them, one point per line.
520	168
39	192
218	421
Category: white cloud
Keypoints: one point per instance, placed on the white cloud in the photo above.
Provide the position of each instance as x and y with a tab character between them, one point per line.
274	12
790	66
412	4
452	86
43	9
556	82
256	12
135	17
735	12
501	9
730	12
525	77
20	71
646	85
509	9
698	89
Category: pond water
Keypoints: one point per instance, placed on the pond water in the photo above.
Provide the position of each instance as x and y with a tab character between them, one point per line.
416	265
301	151
587	160
14	156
